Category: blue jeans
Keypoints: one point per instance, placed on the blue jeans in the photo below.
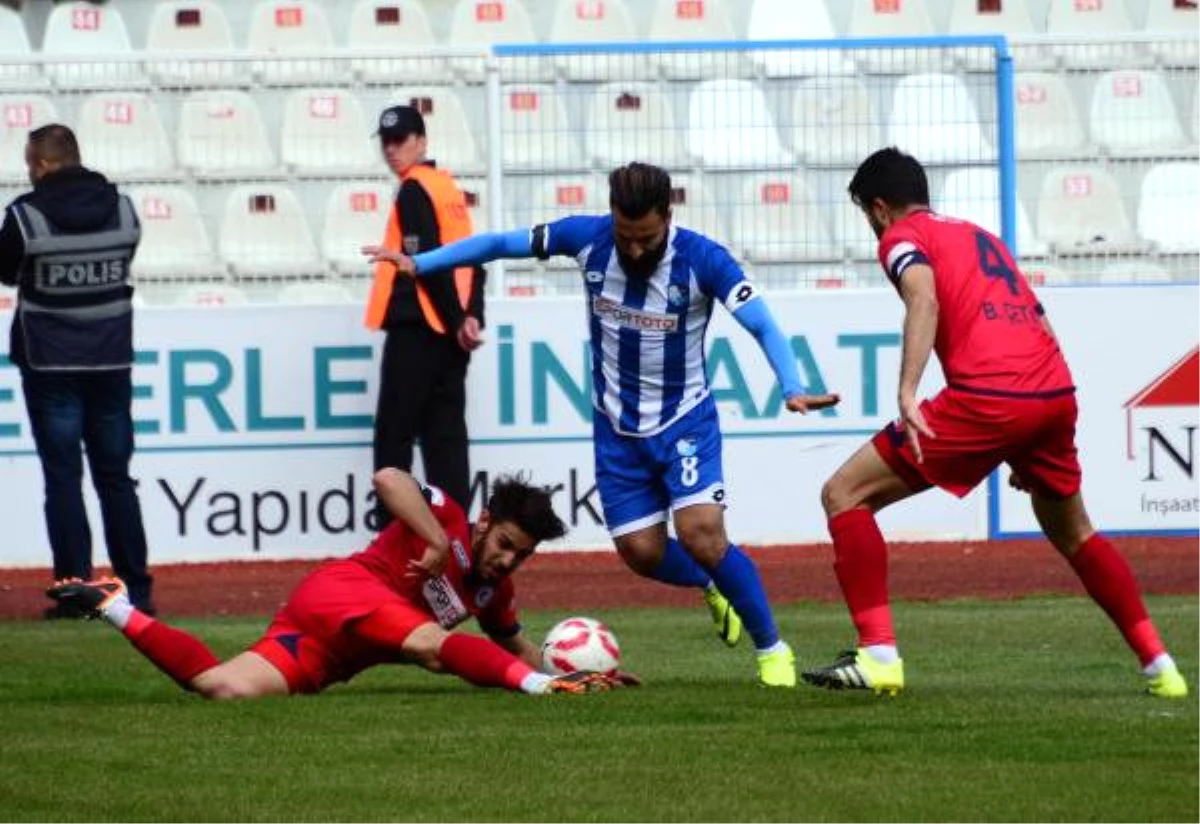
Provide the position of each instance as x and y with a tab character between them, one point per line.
68	411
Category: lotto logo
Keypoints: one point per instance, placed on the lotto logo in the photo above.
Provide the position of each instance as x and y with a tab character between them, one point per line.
18	115
589	10
85	19
887	6
775	193
155	208
289	17
489	12
523	101
1127	85
689	9
323	107
1077	186
364	202
569	195
119	112
1031	94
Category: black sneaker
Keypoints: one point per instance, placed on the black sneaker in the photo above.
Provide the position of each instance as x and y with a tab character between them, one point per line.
63	612
87	598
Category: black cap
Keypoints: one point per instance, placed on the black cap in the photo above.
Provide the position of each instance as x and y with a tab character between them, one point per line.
398	122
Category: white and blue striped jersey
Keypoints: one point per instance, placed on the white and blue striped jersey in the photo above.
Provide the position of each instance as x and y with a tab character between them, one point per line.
647	334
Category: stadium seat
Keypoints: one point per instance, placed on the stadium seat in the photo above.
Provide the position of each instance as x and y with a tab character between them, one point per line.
974	194
693	207
21	113
264	233
1132	114
1011	18
536	132
315	292
381	25
795	20
14	45
282	28
595	21
851	233
549	198
1080	210
121	135
893	18
1179	19
832	122
221	133
76	31
920	100
1169	203
177	31
356	214
483	23
212	296
731	126
632	120
675	20
777	220
1099	19
324	130
1048	122
452	137
175	243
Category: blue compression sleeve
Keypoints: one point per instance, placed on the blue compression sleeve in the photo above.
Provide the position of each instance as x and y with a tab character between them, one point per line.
756	318
475	249
680	569
738	580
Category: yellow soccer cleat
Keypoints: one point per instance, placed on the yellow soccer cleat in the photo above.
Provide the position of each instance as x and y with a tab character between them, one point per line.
857	670
777	669
724	617
1167	684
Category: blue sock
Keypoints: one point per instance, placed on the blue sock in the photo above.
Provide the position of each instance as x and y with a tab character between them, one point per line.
737	578
680	569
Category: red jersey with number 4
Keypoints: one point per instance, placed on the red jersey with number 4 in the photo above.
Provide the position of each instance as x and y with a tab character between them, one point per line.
456	594
990	338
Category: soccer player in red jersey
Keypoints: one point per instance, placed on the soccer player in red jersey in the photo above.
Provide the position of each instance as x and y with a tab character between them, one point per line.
1009	398
396	602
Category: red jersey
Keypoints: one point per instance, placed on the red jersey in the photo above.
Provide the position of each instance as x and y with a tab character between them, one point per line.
453	596
990	337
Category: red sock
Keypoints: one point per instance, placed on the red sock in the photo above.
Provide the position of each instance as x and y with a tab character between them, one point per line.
481	662
173	651
861	563
1108	578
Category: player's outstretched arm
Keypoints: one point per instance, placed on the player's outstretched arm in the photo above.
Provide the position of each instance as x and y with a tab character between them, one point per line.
755	317
469	251
402	496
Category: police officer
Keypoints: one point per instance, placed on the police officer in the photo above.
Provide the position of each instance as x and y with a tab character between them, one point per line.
432	324
67	247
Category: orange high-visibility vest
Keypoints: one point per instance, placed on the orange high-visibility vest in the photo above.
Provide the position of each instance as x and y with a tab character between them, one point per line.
454	223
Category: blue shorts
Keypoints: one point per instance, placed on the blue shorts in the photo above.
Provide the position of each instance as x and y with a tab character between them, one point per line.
641	479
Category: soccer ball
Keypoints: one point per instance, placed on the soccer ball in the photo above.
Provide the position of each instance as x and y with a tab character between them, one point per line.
580	644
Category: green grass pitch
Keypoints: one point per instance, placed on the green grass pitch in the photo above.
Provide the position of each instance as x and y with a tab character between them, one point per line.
1024	710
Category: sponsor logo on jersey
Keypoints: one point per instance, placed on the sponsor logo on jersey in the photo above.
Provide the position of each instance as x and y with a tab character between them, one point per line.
447	607
686	447
592	276
633	318
483	595
676	296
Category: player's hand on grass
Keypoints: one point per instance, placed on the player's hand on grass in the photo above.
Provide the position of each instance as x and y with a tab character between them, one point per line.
912	421
404	264
806	403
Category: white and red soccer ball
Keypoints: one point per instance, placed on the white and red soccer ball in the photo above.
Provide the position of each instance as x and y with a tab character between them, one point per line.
580	644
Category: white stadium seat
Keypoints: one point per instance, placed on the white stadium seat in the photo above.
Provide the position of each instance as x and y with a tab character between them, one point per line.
536	132
795	20
778	220
121	135
1080	210
629	121
973	194
212	296
483	23
595	21
1132	113
832	122
181	28
79	30
1048	122
284	27
1011	18
693	207
1179	19
382	25
851	232
20	114
452	137
893	18
315	292
264	233
1098	19
920	100
14	45
175	243
356	214
1168	206
324	130
731	126
221	133
692	20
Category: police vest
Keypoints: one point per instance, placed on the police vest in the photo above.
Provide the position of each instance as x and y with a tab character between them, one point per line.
76	309
454	223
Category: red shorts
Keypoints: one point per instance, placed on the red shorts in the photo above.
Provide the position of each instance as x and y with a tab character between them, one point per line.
308	640
976	433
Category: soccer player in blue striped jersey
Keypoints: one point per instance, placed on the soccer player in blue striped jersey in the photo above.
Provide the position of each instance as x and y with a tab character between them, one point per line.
650	290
